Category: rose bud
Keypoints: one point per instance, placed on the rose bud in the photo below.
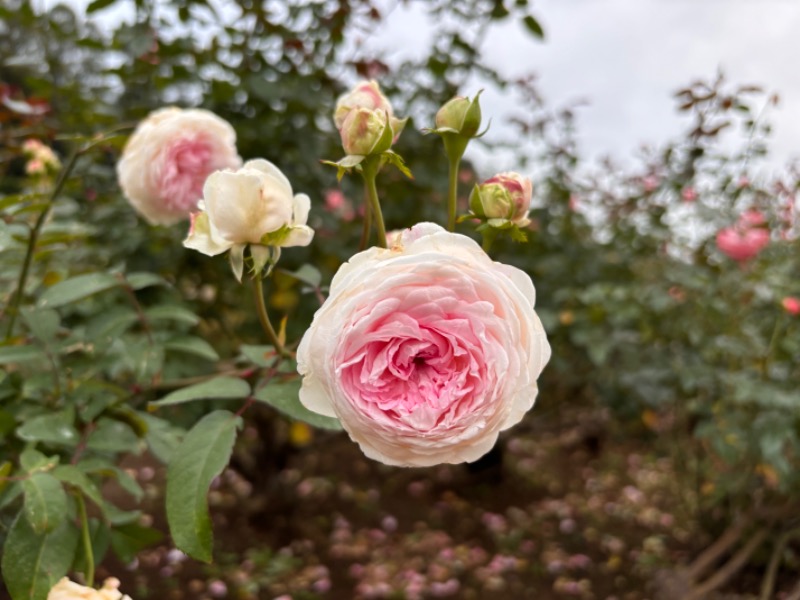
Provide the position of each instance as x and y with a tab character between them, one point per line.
366	132
505	196
366	95
460	115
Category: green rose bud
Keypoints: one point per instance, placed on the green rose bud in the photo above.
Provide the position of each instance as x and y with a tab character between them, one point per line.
460	115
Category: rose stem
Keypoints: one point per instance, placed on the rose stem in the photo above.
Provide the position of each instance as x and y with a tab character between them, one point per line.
258	292
369	169
86	540
34	237
367	220
13	307
452	193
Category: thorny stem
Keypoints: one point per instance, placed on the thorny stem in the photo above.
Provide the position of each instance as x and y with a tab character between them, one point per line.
266	325
369	170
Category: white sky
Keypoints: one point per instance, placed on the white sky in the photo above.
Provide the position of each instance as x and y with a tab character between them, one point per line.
627	57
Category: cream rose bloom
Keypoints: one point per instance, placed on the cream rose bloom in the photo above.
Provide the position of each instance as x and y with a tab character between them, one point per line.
425	351
252	206
168	158
69	590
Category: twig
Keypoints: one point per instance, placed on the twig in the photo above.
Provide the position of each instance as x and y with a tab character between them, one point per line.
730	568
713	553
768	583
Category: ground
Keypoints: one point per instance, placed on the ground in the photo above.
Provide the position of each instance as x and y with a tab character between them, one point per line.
563	508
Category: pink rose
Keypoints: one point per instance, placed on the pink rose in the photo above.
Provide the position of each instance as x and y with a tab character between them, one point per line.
425	351
791	305
742	245
168	158
746	238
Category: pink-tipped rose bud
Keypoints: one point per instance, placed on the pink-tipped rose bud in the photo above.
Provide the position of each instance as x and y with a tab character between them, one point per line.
366	96
366	132
505	196
791	305
460	115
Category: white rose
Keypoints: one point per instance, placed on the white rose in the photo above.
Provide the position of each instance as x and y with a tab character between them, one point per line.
253	205
69	590
168	158
425	351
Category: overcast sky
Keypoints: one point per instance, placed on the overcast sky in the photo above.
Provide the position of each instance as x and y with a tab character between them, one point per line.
626	58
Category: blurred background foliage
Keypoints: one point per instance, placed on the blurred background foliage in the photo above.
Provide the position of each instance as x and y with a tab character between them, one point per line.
689	350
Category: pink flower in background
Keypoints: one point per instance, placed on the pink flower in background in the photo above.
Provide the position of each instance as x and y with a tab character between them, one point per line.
651	183
425	351
742	245
337	203
746	238
168	158
791	305
689	194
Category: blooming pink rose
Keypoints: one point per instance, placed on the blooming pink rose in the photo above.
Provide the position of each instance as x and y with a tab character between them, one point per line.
742	245
168	158
791	305
425	351
746	238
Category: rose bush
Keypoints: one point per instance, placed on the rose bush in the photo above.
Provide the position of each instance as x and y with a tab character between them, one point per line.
424	351
168	158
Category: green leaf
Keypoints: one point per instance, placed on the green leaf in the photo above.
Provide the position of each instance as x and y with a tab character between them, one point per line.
79	480
54	428
162	437
219	387
392	158
42	323
77	288
203	454
263	356
45	502
138	281
192	345
33	563
20	354
285	398
32	460
113	436
533	27
128	540
96	5
307	274
171	312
